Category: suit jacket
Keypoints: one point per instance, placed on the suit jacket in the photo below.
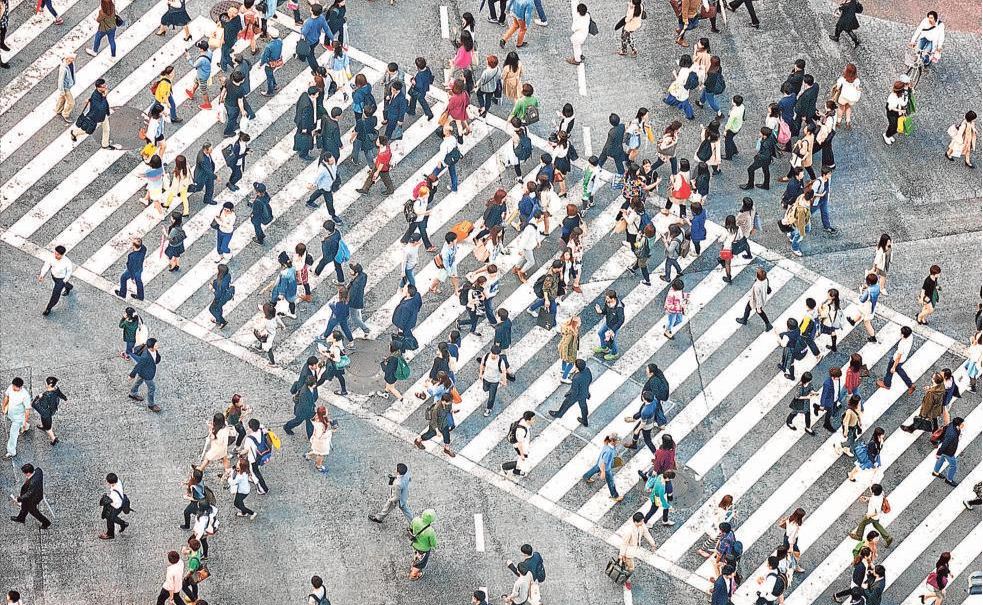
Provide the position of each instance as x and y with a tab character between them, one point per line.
330	244
261	208
231	29
580	387
204	168
134	260
304	117
330	137
32	492
805	105
146	363
614	145
722	589
306	403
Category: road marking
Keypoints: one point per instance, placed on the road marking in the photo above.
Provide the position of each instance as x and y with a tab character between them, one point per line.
33	74
963	556
32	28
479	533
588	146
836	504
90	72
629	600
134	83
445	30
903	495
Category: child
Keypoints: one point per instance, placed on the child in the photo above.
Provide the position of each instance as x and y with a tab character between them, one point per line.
129	323
589	184
800	403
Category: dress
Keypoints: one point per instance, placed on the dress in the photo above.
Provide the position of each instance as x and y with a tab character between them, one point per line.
512	83
175	243
321	439
176	15
218	446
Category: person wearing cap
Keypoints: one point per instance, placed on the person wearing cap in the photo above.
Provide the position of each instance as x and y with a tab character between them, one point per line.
224	225
202	64
329	134
204	175
97	112
324	185
329	252
261	212
271	60
897	107
237	154
305	119
380	171
146	358
66	80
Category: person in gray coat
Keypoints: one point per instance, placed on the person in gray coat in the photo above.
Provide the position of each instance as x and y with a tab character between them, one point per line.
399	491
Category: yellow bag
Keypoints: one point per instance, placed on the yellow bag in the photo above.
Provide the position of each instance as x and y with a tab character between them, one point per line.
274	440
650	134
148	151
901	125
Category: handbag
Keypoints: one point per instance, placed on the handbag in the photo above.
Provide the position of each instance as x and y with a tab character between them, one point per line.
544	319
885	506
438	261
834	94
920	423
85	123
592	27
617	571
937	434
119	21
621	226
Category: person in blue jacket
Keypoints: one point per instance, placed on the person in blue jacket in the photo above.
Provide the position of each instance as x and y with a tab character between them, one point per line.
144	371
361	97
340	314
271	59
698	226
406	314
395	111
329	252
261	212
313	28
134	269
578	394
222	292
419	85
204	175
724	586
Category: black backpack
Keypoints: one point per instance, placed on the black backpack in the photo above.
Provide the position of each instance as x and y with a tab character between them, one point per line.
692	81
537	287
705	151
512	436
125	504
462	297
781	583
408	212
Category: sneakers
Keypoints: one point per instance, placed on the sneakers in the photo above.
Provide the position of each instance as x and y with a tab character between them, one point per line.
540	22
205	106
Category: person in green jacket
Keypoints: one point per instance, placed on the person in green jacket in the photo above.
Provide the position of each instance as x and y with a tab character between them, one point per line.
129	325
656	486
424	541
524	102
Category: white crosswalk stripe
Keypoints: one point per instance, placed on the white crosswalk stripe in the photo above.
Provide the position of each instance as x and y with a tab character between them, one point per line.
34	27
720	422
963	556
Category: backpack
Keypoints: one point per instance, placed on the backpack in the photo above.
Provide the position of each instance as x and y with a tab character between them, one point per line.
408	213
524	150
512	436
402	368
705	151
692	81
642	249
462	297
784	132
537	287
267	217
264	450
781	583
209	495
344	254
125	505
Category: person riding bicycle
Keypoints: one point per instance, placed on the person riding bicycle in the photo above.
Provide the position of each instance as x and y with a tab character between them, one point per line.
929	38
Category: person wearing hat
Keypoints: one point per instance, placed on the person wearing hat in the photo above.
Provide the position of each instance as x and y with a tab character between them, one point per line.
146	358
305	118
261	213
235	159
202	64
66	80
271	60
329	134
897	106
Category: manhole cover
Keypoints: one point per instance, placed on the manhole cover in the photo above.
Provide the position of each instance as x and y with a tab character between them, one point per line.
127	122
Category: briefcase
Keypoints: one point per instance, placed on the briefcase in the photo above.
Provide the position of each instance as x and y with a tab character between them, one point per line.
921	424
617	571
85	123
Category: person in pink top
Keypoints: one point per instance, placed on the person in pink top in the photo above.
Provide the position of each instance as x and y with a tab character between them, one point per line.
676	301
457	106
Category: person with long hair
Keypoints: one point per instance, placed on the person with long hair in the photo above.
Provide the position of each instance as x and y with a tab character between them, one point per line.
793	524
722	513
883	255
831	317
726	255
937	581
321	439
240	488
174	237
847	93
107	23
632	22
178	186
217	444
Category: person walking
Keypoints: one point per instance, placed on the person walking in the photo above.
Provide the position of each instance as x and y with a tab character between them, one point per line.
629	24
521	13
578	393
762	159
381	167
202	64
759	296
61	271
733	5
65	82
614	145
107	22
605	466
134	269
399	491
114	503
847	22
46	405
875	506
95	113
439	420
946	454
240	488
146	358
631	543
491	372
896	366
580	28
305	399
258	449
17	407
321	439
224	225
896	108
568	346
261	213
31	495
929	294
217	445
962	140
423	541
204	175
173	580
613	313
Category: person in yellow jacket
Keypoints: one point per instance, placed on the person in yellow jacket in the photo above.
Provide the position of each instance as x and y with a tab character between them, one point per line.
797	216
162	91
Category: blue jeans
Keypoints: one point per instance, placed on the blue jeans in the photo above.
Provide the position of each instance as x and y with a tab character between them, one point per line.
539	10
823	207
673	320
899	370
925	45
367	149
137	279
683	105
270	80
613	346
109	35
608	477
950	473
670	263
173	106
222	242
490	313
710	99
333	323
452	171
796	240
151	388
540	303
232	119
619	160
225	63
565	368
408	278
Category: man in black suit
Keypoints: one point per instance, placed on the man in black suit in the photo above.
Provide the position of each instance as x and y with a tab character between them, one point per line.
329	135
614	146
204	176
762	160
304	407
579	393
305	119
31	495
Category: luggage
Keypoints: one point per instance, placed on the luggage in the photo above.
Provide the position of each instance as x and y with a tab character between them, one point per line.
617	571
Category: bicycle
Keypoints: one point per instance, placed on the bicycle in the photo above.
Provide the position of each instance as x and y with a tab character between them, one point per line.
918	63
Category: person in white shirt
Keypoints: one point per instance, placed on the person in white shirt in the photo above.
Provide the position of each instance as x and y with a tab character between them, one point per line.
580	26
206	522
225	224
522	437
171	589
411	256
929	37
217	444
520	589
875	506
254	437
449	258
17	407
239	487
113	507
896	366
61	270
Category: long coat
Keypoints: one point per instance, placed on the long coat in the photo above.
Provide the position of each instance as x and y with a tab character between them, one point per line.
304	120
848	15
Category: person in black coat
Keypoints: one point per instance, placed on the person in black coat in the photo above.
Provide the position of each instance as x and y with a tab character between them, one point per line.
579	393
134	269
406	314
31	495
231	26
614	146
46	405
305	403
329	251
946	454
261	212
329	134
305	119
805	104
847	23
762	160
356	297
204	176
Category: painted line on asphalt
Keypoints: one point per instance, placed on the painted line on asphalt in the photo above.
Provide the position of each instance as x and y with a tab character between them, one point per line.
963	556
32	28
479	533
445	30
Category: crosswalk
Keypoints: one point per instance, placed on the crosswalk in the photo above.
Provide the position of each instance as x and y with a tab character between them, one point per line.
727	405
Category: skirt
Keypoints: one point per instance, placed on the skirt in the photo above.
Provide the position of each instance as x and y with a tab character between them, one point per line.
174	251
176	17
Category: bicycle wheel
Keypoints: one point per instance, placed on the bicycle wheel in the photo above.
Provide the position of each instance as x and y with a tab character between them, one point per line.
914	75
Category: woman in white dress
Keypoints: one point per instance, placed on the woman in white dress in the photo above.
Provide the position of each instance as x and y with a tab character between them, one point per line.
217	442
321	438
